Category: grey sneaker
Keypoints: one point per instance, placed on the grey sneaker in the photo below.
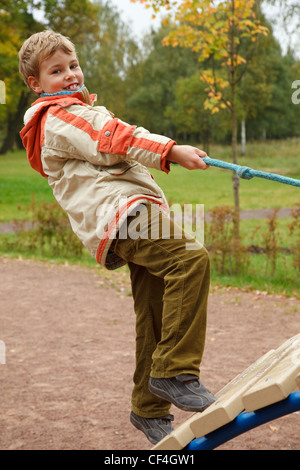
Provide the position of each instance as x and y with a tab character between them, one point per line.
184	391
155	429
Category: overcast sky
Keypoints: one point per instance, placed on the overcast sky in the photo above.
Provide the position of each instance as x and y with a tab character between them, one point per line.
137	15
140	18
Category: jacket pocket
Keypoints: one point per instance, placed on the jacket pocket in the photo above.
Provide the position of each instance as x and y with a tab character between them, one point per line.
119	169
129	178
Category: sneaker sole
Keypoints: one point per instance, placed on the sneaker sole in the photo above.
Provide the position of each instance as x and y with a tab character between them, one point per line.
140	427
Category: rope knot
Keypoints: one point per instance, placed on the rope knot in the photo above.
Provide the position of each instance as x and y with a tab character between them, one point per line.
244	172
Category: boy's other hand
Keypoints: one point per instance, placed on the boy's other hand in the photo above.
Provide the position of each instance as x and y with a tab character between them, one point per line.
188	157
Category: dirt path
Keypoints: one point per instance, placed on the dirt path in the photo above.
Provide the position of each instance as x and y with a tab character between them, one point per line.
69	337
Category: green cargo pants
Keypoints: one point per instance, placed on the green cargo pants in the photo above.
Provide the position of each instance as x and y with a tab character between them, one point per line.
170	285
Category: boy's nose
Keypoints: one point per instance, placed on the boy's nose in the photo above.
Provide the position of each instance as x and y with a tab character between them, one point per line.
69	75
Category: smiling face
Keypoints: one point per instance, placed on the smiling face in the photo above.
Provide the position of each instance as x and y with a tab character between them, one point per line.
58	72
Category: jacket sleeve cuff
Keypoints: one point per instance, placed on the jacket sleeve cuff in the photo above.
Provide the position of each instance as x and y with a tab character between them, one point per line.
164	163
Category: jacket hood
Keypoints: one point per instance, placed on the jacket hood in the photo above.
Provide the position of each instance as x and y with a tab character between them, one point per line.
32	132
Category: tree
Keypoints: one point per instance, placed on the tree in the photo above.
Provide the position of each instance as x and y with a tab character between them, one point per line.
151	83
187	113
103	43
107	60
272	114
217	32
285	16
76	19
17	24
257	86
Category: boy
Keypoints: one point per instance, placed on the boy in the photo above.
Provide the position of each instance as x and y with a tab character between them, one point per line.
96	166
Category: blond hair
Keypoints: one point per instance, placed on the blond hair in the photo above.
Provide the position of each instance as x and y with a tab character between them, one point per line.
39	47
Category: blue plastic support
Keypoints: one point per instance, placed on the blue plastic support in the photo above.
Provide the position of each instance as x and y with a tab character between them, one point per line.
246	421
248	173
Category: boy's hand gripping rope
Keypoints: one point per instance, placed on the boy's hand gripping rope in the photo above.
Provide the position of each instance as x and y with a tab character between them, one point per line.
247	173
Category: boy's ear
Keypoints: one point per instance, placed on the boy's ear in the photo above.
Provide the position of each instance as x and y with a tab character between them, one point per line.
34	84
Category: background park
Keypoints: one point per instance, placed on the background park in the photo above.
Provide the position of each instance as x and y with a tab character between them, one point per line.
219	78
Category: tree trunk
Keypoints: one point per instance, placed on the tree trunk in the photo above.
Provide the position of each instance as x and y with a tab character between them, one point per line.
232	79
235	178
8	142
243	137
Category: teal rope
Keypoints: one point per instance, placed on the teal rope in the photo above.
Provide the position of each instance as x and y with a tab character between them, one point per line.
247	173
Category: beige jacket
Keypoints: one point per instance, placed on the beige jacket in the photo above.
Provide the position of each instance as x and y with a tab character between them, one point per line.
96	165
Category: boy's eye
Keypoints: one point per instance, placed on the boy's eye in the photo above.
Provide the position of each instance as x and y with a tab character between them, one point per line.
56	71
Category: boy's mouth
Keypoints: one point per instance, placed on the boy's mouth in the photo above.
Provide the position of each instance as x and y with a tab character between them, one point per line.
73	86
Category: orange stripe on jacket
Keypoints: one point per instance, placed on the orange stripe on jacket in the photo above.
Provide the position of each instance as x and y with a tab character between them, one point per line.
75	121
115	221
115	137
32	136
145	144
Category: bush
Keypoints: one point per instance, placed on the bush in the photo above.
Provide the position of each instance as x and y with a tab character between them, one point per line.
270	241
226	250
295	229
49	232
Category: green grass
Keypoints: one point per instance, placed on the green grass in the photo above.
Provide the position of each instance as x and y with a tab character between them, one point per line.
18	183
258	277
213	187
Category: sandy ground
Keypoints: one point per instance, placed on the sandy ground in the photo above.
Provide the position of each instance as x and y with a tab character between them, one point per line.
69	343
